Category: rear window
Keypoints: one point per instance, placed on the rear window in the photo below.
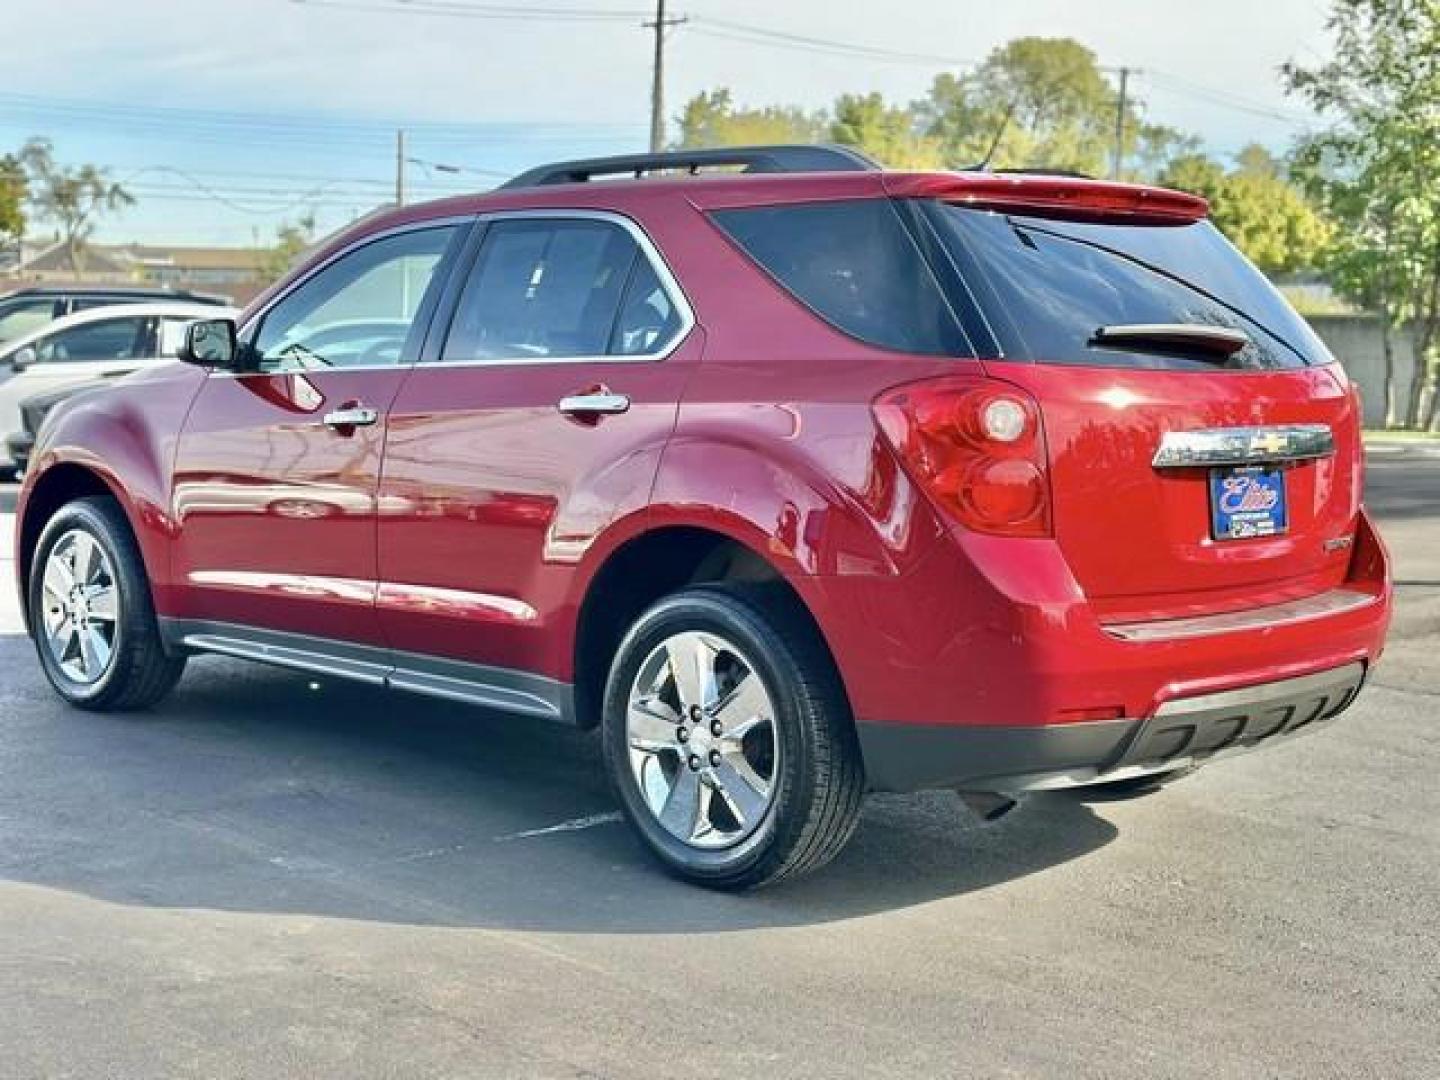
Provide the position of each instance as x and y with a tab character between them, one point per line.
855	264
1044	286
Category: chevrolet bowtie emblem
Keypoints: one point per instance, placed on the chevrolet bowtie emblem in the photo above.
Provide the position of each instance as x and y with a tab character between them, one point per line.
1269	442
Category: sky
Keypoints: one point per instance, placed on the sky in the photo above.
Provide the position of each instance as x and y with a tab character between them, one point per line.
227	117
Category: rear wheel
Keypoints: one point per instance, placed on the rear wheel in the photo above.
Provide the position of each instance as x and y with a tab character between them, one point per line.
728	738
91	614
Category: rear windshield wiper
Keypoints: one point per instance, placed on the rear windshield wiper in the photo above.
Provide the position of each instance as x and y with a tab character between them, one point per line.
1220	341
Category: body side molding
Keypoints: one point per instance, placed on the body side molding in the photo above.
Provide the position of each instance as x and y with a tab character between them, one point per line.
502	689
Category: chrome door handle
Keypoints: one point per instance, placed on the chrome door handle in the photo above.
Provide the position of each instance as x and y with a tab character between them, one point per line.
600	402
351	416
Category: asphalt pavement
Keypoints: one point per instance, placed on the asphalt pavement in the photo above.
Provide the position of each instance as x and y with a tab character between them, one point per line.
273	876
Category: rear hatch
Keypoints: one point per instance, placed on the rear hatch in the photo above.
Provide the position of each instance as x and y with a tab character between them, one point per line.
1135	333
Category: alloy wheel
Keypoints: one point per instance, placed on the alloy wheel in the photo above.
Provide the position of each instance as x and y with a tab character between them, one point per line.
700	728
80	607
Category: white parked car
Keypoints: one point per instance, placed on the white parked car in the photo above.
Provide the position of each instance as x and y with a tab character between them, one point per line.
100	343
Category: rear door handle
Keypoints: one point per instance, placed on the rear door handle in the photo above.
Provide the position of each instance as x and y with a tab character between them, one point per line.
351	416
594	403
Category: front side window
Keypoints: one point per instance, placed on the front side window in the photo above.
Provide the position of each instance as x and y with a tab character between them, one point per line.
552	289
107	339
358	312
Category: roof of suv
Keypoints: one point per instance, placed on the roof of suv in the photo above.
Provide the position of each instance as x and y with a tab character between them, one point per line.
776	175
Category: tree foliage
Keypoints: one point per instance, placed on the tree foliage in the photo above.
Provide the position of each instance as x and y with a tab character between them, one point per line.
1374	167
1033	103
1042	103
13	190
711	118
292	239
1263	213
73	197
886	132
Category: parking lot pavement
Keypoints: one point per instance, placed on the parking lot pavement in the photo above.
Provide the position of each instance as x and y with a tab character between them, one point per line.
270	876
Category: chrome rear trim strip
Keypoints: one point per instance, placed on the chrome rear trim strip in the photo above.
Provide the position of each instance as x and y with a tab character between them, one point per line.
1335	602
1244	446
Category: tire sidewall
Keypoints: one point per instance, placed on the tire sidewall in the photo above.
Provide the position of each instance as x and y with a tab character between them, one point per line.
85	517
772	662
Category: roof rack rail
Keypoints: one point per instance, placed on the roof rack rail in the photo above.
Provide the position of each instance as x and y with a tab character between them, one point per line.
753	159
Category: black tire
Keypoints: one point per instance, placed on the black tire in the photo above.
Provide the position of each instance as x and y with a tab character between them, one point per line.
140	671
820	780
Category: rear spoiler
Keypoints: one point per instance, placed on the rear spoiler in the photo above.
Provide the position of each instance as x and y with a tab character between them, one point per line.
1051	195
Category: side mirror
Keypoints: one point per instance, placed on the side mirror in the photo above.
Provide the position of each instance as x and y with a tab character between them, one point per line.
211	343
23	358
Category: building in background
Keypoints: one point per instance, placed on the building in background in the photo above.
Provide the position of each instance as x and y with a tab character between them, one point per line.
239	273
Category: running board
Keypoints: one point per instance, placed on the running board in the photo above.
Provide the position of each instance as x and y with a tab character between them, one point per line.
503	689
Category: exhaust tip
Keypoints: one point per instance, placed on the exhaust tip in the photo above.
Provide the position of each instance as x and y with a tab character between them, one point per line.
988	805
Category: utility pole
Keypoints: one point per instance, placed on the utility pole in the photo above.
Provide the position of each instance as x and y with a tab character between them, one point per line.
657	79
1120	122
400	168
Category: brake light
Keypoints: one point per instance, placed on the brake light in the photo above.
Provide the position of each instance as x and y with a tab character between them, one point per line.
977	448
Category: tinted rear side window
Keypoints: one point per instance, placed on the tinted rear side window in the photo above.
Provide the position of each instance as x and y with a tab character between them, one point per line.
544	289
1045	286
855	265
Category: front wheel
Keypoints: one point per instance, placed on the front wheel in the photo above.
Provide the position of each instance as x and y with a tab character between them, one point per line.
729	740
91	614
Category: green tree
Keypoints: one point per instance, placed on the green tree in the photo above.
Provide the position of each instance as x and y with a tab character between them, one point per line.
712	119
1257	207
292	239
73	197
1041	103
886	132
1374	167
13	190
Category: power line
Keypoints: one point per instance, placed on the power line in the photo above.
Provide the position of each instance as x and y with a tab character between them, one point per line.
307	127
1174	84
499	12
759	35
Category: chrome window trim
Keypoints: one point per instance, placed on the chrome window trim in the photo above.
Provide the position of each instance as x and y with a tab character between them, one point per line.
252	324
668	281
648	249
1244	445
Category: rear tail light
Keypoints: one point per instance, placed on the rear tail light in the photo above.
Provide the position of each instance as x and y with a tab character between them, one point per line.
977	448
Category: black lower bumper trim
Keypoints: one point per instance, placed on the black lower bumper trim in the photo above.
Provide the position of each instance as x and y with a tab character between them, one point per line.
912	757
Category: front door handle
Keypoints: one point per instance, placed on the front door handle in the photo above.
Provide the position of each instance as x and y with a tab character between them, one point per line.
597	402
351	416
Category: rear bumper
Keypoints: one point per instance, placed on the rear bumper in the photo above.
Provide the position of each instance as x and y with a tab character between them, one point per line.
1183	732
990	650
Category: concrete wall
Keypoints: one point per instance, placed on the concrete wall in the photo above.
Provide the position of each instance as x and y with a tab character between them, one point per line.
1356	342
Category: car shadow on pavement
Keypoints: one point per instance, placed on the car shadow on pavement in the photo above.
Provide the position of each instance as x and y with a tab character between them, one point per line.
253	789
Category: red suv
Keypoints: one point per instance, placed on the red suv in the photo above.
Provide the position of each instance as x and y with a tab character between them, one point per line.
795	476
